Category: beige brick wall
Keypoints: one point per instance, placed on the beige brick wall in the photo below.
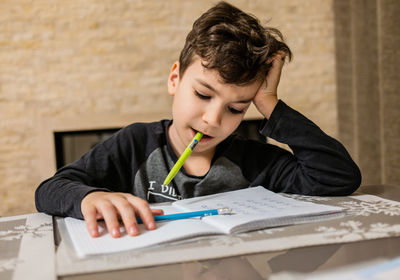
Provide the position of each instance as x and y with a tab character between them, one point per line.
81	64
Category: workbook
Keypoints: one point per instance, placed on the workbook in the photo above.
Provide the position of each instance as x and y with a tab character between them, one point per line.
253	208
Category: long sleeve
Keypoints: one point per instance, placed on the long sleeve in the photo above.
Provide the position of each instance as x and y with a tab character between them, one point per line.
319	165
97	170
109	166
122	163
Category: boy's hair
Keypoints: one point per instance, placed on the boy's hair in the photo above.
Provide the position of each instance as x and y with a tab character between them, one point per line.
233	43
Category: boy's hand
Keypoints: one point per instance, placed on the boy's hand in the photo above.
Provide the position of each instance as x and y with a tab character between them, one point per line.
111	206
267	95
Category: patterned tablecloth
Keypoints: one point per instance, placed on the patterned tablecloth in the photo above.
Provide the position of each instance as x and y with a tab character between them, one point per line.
27	248
368	217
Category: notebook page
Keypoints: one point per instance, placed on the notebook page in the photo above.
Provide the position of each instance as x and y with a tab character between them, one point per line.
255	205
85	245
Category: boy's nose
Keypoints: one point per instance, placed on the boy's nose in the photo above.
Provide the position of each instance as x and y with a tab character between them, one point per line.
212	116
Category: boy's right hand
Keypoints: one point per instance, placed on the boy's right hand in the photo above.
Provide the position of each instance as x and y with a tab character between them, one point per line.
112	206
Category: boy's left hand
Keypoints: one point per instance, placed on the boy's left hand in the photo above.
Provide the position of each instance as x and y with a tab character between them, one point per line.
267	95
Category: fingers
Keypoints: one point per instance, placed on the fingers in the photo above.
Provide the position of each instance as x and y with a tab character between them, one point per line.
127	213
266	97
111	207
280	55
89	214
143	210
277	60
157	212
274	74
110	216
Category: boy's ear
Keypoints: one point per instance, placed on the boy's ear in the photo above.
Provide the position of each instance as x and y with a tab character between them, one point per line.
173	79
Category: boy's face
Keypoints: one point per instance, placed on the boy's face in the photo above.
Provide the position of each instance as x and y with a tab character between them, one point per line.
202	102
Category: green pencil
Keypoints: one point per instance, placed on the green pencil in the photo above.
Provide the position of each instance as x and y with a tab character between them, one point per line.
183	158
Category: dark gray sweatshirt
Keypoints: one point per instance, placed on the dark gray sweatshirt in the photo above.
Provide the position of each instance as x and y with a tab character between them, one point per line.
138	158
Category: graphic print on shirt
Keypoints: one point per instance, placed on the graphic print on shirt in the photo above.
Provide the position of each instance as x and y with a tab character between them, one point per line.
223	176
167	192
151	175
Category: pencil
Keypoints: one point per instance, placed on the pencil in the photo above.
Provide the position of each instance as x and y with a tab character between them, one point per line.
175	169
187	215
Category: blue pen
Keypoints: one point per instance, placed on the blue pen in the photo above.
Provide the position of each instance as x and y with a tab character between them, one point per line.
187	215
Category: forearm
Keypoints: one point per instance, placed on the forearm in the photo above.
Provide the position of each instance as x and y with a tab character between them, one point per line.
62	197
62	194
320	165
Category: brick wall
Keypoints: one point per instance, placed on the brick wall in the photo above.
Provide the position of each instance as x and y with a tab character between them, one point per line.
73	62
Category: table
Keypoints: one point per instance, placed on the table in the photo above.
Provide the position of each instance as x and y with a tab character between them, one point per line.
262	265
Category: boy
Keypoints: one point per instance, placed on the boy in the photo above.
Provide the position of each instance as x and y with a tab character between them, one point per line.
229	60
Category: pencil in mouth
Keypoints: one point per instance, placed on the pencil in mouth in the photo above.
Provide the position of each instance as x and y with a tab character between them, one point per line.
205	136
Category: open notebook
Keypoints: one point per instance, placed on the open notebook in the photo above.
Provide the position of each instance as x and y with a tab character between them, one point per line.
253	208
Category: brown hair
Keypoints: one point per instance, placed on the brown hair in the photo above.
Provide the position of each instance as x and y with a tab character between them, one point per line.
233	43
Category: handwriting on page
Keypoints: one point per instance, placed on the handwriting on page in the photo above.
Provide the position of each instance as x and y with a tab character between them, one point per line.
251	206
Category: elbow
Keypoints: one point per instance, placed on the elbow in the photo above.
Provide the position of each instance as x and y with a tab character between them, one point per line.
40	196
37	199
353	180
346	182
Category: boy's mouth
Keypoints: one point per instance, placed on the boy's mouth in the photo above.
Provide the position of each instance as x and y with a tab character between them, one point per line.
205	136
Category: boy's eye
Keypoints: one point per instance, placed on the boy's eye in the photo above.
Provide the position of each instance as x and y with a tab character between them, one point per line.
235	111
201	96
